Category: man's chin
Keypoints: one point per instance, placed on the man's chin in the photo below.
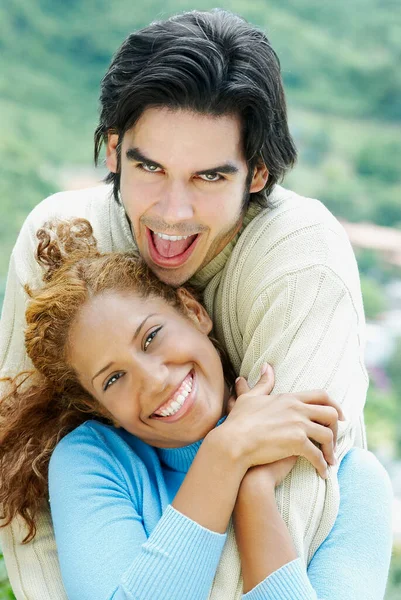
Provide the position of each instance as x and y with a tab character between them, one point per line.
172	277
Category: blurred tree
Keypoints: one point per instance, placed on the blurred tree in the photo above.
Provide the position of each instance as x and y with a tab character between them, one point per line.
394	368
374	298
381	414
380	160
5	589
394	582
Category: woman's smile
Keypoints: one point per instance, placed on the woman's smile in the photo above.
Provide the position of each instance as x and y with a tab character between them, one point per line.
159	366
179	403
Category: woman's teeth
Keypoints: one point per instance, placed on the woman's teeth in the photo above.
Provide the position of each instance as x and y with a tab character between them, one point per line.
178	399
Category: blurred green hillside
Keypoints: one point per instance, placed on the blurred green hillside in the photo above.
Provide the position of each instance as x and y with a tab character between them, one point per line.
340	63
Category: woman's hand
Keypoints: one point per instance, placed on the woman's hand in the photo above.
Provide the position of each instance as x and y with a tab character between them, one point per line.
263	428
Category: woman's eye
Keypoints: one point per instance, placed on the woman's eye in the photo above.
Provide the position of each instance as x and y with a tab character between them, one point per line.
211	177
150	337
112	380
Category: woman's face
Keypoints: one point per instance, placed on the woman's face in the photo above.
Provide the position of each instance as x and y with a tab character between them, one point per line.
154	370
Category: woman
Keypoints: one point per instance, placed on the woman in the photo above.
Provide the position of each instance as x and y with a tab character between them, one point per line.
143	489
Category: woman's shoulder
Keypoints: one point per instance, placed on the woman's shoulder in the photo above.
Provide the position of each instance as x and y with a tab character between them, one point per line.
95	443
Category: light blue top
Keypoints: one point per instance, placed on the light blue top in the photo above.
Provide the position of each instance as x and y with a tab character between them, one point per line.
119	538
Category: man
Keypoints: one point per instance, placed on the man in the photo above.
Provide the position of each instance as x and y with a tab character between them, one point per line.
193	119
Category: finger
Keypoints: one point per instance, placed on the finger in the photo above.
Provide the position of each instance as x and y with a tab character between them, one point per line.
315	457
265	384
324	437
241	386
321	397
324	415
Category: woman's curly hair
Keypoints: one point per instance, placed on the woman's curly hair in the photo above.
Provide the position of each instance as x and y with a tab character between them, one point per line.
39	407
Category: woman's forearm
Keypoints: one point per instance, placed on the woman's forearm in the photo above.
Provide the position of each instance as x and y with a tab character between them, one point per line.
209	491
264	542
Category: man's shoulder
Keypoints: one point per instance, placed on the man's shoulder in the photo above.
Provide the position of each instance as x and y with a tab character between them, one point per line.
97	205
292	227
82	203
288	213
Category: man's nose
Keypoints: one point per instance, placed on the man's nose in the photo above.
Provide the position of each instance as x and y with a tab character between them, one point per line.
176	204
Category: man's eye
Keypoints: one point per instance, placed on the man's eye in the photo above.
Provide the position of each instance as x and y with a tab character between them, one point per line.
149	338
112	380
211	177
149	168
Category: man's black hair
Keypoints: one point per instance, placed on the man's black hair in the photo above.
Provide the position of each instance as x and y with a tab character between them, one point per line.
213	63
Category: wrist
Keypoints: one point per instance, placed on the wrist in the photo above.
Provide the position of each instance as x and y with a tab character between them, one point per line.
256	484
225	446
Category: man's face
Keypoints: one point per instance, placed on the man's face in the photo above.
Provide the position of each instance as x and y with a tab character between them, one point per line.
183	175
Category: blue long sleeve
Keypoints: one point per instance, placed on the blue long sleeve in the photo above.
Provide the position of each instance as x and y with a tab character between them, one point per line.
119	538
354	560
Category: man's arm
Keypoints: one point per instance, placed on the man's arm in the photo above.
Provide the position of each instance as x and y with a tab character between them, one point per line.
309	331
33	568
293	292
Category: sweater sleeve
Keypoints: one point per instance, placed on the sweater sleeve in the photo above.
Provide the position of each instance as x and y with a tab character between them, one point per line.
308	326
104	550
298	306
354	560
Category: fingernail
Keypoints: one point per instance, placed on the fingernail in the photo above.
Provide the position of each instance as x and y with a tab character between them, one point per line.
264	368
237	380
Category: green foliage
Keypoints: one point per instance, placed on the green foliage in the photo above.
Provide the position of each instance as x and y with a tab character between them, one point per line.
381	418
374	299
394	368
340	67
380	160
394	583
5	589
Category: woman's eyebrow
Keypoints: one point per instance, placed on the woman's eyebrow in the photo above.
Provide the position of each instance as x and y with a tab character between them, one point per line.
137	155
137	331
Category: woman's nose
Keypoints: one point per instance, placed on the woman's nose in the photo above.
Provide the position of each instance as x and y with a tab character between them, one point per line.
153	374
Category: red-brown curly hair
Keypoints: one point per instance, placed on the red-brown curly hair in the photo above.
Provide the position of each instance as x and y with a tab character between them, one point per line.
42	406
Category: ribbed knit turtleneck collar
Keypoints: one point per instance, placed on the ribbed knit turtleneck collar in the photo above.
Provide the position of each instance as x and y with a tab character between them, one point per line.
202	277
180	459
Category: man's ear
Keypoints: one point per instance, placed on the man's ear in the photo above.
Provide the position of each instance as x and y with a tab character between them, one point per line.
111	151
195	311
259	179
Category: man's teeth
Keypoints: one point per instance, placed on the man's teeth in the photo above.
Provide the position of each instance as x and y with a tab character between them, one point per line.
178	400
171	238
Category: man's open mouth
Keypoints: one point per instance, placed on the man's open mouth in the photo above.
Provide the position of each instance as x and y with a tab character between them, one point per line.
170	250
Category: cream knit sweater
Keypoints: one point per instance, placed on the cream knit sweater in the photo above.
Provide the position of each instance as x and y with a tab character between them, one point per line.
285	290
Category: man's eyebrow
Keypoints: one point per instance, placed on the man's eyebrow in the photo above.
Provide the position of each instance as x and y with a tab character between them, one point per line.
138	156
137	331
227	169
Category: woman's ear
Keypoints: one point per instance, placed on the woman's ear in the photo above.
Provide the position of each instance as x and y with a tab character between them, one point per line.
195	311
111	151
